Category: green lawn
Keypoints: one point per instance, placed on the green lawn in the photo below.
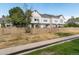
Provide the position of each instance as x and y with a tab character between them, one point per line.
67	48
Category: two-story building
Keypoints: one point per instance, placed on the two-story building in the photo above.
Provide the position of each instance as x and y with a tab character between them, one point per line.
46	20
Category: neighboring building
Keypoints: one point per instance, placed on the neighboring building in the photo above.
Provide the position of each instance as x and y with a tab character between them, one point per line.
70	21
45	20
4	20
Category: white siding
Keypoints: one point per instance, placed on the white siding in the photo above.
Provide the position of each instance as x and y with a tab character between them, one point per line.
35	15
45	20
42	25
0	25
42	21
60	20
55	21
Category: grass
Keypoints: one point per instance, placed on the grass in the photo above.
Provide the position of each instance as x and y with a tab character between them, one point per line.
16	36
67	48
62	34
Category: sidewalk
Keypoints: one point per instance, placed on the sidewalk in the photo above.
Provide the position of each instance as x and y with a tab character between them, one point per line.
34	45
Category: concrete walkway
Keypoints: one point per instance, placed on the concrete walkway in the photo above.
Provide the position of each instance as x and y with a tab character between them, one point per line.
31	46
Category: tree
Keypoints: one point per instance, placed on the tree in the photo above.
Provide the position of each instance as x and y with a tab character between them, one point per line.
3	23
17	16
20	18
28	15
8	19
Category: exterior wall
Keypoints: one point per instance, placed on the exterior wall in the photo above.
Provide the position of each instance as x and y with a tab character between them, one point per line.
42	25
8	24
45	20
56	22
62	20
0	25
35	15
76	22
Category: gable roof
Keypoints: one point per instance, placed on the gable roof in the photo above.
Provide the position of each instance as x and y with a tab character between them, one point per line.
72	21
48	16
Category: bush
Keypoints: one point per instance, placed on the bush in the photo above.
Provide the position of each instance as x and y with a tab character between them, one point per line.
71	25
61	34
27	30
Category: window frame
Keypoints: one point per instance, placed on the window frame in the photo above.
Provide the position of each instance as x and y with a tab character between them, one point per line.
45	20
36	19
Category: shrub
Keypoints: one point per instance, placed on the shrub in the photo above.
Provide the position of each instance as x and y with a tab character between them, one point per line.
61	34
71	25
27	30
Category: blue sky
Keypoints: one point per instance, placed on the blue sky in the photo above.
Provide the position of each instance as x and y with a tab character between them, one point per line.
49	8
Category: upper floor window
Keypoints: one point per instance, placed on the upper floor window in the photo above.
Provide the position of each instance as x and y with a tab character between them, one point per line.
36	19
61	20
56	21
45	20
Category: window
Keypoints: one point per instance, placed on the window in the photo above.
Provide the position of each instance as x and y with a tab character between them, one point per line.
36	19
56	21
61	20
45	20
